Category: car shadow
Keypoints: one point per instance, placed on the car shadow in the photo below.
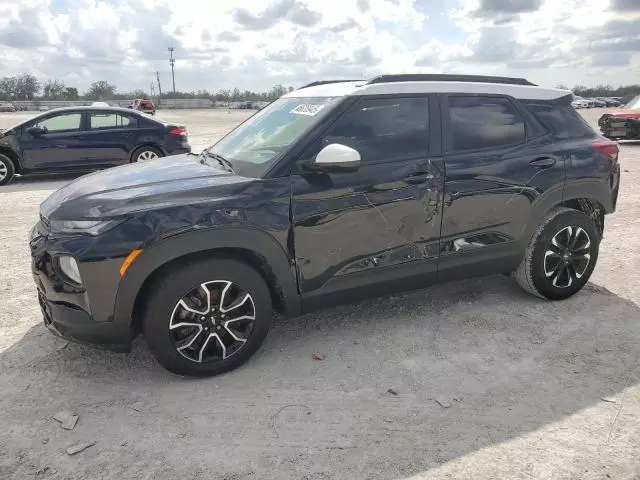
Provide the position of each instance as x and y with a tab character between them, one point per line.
408	382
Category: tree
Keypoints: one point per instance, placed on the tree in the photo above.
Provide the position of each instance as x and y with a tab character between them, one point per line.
8	88
100	90
27	87
71	93
53	90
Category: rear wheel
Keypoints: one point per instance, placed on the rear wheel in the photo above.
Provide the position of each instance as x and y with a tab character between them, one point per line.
207	317
7	169
144	154
561	255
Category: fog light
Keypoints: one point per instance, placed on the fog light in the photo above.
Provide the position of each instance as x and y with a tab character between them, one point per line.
69	267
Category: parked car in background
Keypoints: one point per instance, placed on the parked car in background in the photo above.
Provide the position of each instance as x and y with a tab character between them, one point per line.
85	139
623	123
7	107
142	105
596	102
332	193
579	102
99	104
609	102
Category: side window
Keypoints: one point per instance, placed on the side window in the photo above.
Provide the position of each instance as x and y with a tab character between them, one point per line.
562	120
99	121
383	129
484	122
68	122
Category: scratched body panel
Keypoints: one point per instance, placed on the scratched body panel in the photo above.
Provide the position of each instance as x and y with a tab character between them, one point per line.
348	223
489	195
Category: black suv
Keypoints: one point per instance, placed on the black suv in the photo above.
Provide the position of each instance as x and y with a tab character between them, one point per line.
335	192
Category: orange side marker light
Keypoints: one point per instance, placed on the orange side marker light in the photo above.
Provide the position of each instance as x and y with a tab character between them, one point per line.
129	260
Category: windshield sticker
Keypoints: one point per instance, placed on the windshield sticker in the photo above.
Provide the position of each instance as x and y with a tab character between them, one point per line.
307	109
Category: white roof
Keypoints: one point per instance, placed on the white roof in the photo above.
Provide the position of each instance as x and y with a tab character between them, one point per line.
361	88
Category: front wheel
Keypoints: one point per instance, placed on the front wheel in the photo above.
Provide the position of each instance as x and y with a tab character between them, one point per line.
7	169
560	256
207	317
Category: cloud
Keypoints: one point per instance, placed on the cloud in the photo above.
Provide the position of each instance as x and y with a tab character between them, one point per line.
259	43
625	5
26	31
343	26
493	8
363	5
294	12
228	37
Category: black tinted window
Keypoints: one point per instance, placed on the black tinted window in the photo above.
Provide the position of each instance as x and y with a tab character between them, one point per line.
384	129
483	122
562	120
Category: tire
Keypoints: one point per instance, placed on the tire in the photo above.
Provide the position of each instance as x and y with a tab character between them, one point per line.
7	169
170	324
151	152
537	271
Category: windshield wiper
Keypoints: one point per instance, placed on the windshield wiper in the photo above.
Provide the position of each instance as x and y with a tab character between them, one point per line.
226	164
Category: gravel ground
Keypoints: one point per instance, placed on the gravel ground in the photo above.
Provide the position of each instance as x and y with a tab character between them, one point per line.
490	382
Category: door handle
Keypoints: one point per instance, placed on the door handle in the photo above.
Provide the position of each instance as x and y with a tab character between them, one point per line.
417	178
543	162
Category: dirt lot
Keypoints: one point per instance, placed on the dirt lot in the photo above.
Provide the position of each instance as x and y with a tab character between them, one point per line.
490	382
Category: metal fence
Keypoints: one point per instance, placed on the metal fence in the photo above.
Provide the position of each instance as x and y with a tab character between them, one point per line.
166	103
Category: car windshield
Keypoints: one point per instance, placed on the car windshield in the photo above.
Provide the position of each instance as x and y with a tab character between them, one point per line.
254	146
634	103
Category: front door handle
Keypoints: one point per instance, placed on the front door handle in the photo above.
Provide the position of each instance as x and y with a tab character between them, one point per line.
417	178
543	162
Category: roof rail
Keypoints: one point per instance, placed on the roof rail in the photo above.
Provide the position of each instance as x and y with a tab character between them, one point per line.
419	77
325	82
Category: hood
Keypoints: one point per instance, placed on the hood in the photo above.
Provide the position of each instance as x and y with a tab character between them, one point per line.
160	183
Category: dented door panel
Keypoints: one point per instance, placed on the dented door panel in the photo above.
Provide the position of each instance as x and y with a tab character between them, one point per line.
351	228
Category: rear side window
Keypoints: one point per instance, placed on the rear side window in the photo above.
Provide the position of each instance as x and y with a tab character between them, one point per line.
562	120
484	122
109	120
384	129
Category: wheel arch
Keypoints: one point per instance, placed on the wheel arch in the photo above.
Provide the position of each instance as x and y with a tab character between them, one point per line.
252	246
588	202
144	144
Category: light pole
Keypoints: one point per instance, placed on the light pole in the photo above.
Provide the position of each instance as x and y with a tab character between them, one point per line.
172	63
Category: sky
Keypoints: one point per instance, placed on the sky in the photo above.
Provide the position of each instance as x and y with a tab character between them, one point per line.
255	44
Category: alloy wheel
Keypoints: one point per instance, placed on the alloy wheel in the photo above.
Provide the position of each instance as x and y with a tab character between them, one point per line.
212	322
3	170
147	155
567	256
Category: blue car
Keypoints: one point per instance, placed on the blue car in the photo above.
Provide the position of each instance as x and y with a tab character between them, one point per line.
78	139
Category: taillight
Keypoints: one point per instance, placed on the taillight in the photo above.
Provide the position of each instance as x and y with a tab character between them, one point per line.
178	131
607	148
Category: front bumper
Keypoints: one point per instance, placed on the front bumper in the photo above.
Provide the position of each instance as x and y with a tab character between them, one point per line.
68	310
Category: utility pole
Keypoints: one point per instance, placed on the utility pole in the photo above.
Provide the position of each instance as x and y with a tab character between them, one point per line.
153	89
159	88
172	62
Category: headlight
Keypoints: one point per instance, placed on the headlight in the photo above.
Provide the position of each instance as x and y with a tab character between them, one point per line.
69	267
90	227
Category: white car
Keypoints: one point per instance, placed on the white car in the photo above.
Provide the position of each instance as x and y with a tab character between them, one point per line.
99	104
579	102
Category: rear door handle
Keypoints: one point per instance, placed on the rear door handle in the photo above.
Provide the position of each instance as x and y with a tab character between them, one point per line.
417	178
543	162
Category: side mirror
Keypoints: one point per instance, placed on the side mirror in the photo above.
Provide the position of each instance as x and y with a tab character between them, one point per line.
336	156
36	131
